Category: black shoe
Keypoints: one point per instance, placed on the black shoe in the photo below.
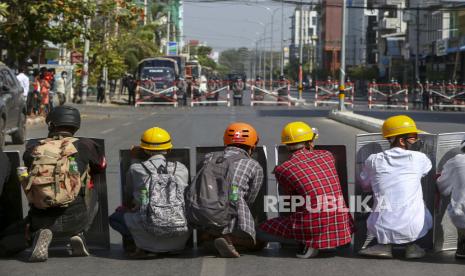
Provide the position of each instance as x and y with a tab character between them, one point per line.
460	253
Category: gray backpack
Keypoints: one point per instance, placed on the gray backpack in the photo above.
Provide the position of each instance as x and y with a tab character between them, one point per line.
162	209
208	199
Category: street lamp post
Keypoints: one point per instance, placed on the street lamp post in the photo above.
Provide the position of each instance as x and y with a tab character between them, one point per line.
301	41
343	59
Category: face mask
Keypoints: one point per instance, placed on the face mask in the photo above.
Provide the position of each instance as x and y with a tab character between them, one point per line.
417	146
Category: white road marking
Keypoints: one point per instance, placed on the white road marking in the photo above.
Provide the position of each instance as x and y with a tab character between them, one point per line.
213	266
141	118
127	124
107	131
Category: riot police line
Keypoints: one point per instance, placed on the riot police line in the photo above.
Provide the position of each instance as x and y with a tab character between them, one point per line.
439	147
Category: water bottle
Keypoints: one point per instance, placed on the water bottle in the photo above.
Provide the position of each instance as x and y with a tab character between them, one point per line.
144	199
73	166
234	195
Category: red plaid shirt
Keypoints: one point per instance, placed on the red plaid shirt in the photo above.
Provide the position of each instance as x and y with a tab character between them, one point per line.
311	174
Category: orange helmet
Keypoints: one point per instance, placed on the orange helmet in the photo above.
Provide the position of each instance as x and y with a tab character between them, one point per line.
240	133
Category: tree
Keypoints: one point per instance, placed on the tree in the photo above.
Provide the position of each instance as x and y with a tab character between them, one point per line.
30	23
236	60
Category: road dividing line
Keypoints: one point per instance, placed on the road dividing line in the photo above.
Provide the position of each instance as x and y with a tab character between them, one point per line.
127	124
213	266
141	118
107	131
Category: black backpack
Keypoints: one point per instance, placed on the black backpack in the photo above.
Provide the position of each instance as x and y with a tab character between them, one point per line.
208	199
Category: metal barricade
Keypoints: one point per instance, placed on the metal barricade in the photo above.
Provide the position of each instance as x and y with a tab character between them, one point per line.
217	93
393	94
442	96
327	93
98	235
149	94
279	95
367	144
181	155
11	206
339	153
259	154
445	233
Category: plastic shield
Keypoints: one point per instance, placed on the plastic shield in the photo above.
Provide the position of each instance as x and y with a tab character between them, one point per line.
445	233
97	236
259	154
181	155
339	153
11	208
367	144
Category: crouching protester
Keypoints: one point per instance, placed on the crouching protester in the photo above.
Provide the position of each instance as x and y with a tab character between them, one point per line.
156	222
312	176
399	215
59	187
452	183
218	202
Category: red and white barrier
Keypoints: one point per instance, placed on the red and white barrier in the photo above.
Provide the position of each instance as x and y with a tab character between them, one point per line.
443	96
328	93
389	95
274	94
148	95
199	100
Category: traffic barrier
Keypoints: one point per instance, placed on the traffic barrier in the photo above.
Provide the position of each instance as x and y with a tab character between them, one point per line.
277	96
393	94
257	209
442	96
212	94
327	92
11	207
339	153
367	144
126	159
98	235
149	94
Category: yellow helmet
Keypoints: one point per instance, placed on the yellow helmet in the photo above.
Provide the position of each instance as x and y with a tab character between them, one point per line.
155	138
297	132
399	125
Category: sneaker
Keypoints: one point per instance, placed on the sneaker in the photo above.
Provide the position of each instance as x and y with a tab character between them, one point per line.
78	246
378	250
42	240
226	249
414	251
306	252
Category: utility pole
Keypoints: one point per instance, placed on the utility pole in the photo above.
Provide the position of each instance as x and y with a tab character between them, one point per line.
417	19
301	49
271	54
85	65
168	27
145	12
343	59
282	36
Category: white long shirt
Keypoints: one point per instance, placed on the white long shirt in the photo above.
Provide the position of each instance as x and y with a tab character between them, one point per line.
24	81
399	213
452	182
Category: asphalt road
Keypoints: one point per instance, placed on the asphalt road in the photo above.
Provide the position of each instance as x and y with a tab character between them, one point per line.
121	127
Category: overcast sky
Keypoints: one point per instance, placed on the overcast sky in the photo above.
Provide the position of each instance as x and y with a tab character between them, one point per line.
233	24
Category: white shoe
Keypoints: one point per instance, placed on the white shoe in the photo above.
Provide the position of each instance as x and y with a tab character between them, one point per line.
306	252
414	251
377	250
78	246
42	240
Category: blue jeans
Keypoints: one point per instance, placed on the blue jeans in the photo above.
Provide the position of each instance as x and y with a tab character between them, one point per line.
116	221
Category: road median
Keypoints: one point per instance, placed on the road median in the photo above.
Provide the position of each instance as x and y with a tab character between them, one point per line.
366	123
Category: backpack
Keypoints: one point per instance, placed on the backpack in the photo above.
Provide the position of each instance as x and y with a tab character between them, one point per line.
162	209
208	204
54	179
